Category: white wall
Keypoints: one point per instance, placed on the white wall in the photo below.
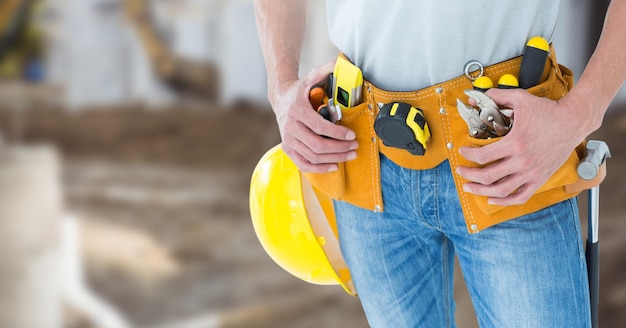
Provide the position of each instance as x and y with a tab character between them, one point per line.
571	35
242	70
96	56
572	39
318	49
99	59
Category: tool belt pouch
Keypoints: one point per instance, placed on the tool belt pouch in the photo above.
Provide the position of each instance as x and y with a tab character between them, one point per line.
357	181
479	213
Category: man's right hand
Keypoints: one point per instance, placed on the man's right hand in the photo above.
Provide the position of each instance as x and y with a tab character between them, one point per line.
313	143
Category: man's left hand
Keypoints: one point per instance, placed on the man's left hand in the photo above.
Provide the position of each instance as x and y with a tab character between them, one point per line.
542	138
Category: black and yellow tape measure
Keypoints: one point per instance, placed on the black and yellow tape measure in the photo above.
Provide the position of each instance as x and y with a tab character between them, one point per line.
401	125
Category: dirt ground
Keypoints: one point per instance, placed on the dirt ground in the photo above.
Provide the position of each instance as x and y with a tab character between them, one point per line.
162	198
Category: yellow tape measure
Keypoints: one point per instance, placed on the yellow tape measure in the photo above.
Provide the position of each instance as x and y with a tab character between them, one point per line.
401	125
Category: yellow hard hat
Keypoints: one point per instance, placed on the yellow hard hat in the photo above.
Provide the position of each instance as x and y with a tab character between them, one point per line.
295	223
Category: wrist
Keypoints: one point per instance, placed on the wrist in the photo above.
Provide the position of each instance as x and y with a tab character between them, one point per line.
278	88
584	112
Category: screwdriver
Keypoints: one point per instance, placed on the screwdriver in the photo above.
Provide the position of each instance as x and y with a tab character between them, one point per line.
508	81
533	62
482	83
316	96
325	112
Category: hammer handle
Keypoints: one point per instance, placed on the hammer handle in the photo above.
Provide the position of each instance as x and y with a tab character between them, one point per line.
592	255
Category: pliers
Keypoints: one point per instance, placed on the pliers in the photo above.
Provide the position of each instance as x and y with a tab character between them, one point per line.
488	120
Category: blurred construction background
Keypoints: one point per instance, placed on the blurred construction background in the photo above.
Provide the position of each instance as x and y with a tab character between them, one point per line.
130	130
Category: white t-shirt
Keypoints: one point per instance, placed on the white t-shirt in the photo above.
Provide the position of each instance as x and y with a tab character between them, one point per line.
404	45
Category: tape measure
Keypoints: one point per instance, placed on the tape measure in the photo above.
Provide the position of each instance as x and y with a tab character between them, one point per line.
401	125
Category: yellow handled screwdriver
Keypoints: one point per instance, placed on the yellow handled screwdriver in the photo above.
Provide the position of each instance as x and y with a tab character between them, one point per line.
508	81
482	83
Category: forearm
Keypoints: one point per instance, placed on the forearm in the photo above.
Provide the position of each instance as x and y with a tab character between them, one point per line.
605	73
281	26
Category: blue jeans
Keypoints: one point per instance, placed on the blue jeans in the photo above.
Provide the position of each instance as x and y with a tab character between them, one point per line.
527	272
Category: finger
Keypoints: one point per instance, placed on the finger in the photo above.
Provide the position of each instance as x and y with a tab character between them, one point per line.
500	189
520	197
318	75
485	154
306	166
316	123
317	157
325	145
509	98
487	175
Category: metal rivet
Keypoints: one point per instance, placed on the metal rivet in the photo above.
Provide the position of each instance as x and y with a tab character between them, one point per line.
377	208
474	227
373	139
450	145
442	110
439	90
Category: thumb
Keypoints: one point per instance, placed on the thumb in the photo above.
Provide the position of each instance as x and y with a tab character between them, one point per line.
319	74
506	97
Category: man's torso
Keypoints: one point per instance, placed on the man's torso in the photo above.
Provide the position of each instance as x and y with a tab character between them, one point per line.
406	45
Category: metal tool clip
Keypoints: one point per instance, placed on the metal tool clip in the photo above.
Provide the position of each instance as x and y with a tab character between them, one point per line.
471	64
335	111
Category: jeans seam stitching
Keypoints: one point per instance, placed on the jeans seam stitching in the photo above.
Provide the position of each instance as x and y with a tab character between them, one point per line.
445	281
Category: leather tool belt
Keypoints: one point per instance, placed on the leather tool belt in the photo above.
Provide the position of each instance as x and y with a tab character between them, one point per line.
358	182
